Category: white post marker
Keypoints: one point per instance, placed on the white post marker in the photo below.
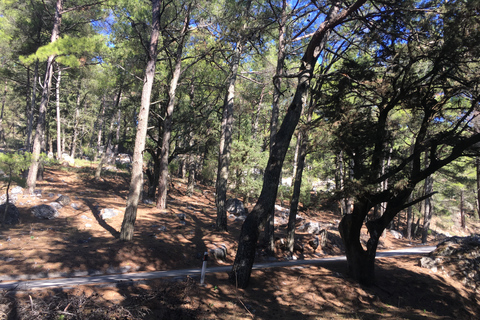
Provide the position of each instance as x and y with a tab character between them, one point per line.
204	268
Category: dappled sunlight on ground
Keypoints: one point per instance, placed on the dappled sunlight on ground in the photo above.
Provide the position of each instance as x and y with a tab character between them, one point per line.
81	241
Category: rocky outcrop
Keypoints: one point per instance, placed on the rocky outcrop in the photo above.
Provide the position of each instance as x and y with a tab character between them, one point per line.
459	258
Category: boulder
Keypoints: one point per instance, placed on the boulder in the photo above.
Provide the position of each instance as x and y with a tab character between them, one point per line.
16	190
67	160
236	207
123	158
13	216
108	213
75	206
56	205
311	227
44	211
396	234
64	200
428	263
11	199
219	253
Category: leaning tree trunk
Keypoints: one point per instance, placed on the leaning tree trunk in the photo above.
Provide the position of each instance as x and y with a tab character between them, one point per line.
242	267
47	83
167	124
136	181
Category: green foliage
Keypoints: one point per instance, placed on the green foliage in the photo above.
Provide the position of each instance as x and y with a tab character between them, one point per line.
12	164
69	50
209	169
247	161
15	162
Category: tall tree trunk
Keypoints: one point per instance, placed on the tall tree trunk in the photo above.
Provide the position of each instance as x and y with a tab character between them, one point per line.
297	184
167	123
75	125
270	225
339	180
227	129
226	142
117	135
59	128
257	114
2	134
136	182
115	121
31	110
477	164
409	219
47	83
428	209
191	173
28	107
100	124
462	211
242	267
105	155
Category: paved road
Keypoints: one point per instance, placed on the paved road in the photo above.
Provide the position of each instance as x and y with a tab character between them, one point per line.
130	277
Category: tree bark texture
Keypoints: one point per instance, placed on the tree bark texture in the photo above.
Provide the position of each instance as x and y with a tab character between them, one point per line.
427	218
101	120
108	144
2	134
30	112
409	219
297	184
59	119
117	134
47	84
167	124
226	142
477	164
75	126
226	129
360	262
242	267
136	182
462	211
270	225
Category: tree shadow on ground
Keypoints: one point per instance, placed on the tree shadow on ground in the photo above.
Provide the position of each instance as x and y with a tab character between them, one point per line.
96	213
401	293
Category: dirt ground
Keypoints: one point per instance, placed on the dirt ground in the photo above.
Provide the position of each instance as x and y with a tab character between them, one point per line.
80	240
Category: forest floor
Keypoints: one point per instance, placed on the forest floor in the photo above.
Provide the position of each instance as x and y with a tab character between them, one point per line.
80	240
